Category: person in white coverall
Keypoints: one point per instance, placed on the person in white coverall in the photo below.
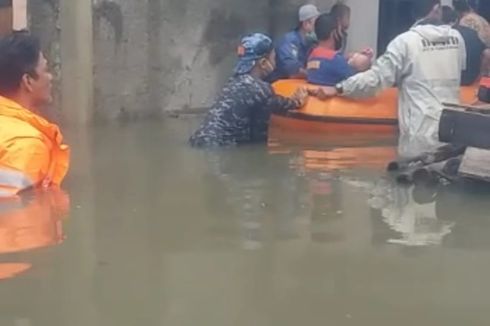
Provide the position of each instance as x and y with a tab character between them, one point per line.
425	63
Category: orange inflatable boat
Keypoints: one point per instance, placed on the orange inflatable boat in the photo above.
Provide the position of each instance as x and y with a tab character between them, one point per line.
378	114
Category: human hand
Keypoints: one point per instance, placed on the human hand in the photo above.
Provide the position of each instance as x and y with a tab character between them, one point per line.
368	52
323	93
338	33
300	96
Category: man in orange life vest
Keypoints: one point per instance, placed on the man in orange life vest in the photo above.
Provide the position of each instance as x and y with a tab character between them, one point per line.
32	153
326	66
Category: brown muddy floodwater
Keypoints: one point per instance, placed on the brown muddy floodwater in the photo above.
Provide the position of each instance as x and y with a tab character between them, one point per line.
151	232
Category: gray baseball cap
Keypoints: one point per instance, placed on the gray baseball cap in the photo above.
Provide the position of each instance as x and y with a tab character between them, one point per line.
307	12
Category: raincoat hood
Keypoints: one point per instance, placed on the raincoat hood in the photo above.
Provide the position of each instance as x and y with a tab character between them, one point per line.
433	33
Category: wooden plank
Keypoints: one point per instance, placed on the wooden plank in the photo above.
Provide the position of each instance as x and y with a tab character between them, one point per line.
476	164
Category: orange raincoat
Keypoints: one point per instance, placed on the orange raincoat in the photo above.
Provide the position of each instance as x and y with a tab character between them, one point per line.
34	222
31	150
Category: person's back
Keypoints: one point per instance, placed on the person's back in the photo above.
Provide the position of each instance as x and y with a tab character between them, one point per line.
293	48
31	149
474	46
469	18
292	52
233	117
425	63
479	24
474	51
428	75
325	66
241	113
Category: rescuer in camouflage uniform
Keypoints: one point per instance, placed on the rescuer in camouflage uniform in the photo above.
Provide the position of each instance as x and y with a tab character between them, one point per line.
241	113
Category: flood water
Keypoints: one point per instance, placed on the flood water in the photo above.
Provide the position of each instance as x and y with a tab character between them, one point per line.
299	232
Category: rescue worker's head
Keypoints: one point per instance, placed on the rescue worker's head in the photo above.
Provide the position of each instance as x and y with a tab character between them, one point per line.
307	16
256	55
428	9
341	12
24	76
449	16
325	27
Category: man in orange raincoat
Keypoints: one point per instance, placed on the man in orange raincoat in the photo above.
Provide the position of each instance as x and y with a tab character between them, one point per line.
32	153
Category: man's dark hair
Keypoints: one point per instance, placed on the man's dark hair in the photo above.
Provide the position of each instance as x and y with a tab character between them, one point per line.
461	5
19	55
449	16
339	10
325	25
422	8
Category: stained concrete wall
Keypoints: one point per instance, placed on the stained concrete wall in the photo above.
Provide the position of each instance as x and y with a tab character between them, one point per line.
157	55
44	22
152	56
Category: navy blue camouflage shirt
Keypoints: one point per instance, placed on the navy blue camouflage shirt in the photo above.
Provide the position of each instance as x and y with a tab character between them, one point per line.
241	113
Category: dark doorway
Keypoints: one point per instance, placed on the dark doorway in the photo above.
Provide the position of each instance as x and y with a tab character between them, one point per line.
395	17
484	8
5	3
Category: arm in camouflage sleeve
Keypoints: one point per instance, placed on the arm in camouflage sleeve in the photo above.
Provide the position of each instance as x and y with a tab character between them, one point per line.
278	103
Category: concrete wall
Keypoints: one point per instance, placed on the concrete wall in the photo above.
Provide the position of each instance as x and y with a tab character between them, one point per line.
364	24
152	56
44	23
156	55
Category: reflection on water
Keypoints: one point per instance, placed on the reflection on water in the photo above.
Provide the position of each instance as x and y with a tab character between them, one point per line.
32	221
307	230
416	222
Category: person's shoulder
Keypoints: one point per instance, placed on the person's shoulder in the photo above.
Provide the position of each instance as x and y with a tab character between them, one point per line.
16	128
473	19
239	83
405	38
480	19
291	37
464	35
323	53
234	84
466	32
465	29
340	56
23	143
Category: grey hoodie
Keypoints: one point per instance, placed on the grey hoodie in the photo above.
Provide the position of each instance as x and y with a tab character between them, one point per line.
425	63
